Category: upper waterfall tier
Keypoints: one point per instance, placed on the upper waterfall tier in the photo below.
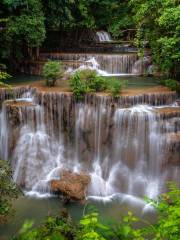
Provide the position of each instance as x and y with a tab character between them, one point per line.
103	36
106	64
109	63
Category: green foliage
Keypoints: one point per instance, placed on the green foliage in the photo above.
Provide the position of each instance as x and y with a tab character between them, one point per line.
52	70
93	82
125	229
122	19
58	14
8	191
54	228
25	22
168	207
91	227
78	86
158	25
157	22
115	86
3	76
24	27
87	81
172	84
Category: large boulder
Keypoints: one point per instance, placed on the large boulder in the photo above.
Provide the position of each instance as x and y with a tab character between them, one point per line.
72	185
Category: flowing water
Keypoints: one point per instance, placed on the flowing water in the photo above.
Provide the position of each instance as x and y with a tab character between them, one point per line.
128	145
103	36
122	148
104	64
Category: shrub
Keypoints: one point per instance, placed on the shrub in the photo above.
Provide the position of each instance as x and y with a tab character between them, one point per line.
8	191
3	76
53	228
87	74
90	226
94	83
172	84
52	70
86	81
97	84
168	208
115	86
78	86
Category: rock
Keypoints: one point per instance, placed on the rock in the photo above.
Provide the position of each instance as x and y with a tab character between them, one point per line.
72	185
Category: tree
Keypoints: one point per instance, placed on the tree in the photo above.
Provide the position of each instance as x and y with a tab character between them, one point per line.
52	71
58	14
158	24
23	30
8	191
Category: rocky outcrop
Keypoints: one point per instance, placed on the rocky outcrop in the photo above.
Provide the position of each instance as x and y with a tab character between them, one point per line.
72	185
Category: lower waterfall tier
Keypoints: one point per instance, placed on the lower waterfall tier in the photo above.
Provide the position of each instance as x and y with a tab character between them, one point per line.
125	145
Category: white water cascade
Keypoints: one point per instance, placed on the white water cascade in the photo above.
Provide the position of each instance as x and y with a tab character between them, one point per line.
142	65
103	36
3	134
124	150
104	64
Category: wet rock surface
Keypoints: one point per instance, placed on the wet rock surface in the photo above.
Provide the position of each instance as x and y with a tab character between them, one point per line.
72	185
14	115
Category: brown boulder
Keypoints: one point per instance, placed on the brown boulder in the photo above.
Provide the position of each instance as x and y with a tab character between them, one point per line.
72	185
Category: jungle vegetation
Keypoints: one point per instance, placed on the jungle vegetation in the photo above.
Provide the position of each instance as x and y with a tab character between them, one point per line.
91	226
25	25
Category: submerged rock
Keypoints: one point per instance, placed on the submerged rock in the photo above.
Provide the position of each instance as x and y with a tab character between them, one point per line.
72	185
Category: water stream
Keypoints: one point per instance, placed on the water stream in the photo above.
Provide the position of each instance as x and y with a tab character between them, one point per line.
105	64
103	36
124	149
128	145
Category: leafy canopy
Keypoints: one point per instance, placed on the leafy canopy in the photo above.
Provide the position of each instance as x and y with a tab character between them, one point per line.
158	24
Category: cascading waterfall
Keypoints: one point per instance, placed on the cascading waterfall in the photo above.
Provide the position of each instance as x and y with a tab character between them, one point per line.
124	150
142	65
139	145
4	132
104	64
103	36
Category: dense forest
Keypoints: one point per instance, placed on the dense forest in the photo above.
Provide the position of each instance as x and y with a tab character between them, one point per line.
154	24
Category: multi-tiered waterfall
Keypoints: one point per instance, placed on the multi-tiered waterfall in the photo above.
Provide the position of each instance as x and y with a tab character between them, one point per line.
104	64
115	60
127	145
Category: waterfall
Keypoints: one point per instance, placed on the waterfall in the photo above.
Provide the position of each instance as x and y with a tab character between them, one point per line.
141	66
104	64
118	64
4	133
124	144
103	36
